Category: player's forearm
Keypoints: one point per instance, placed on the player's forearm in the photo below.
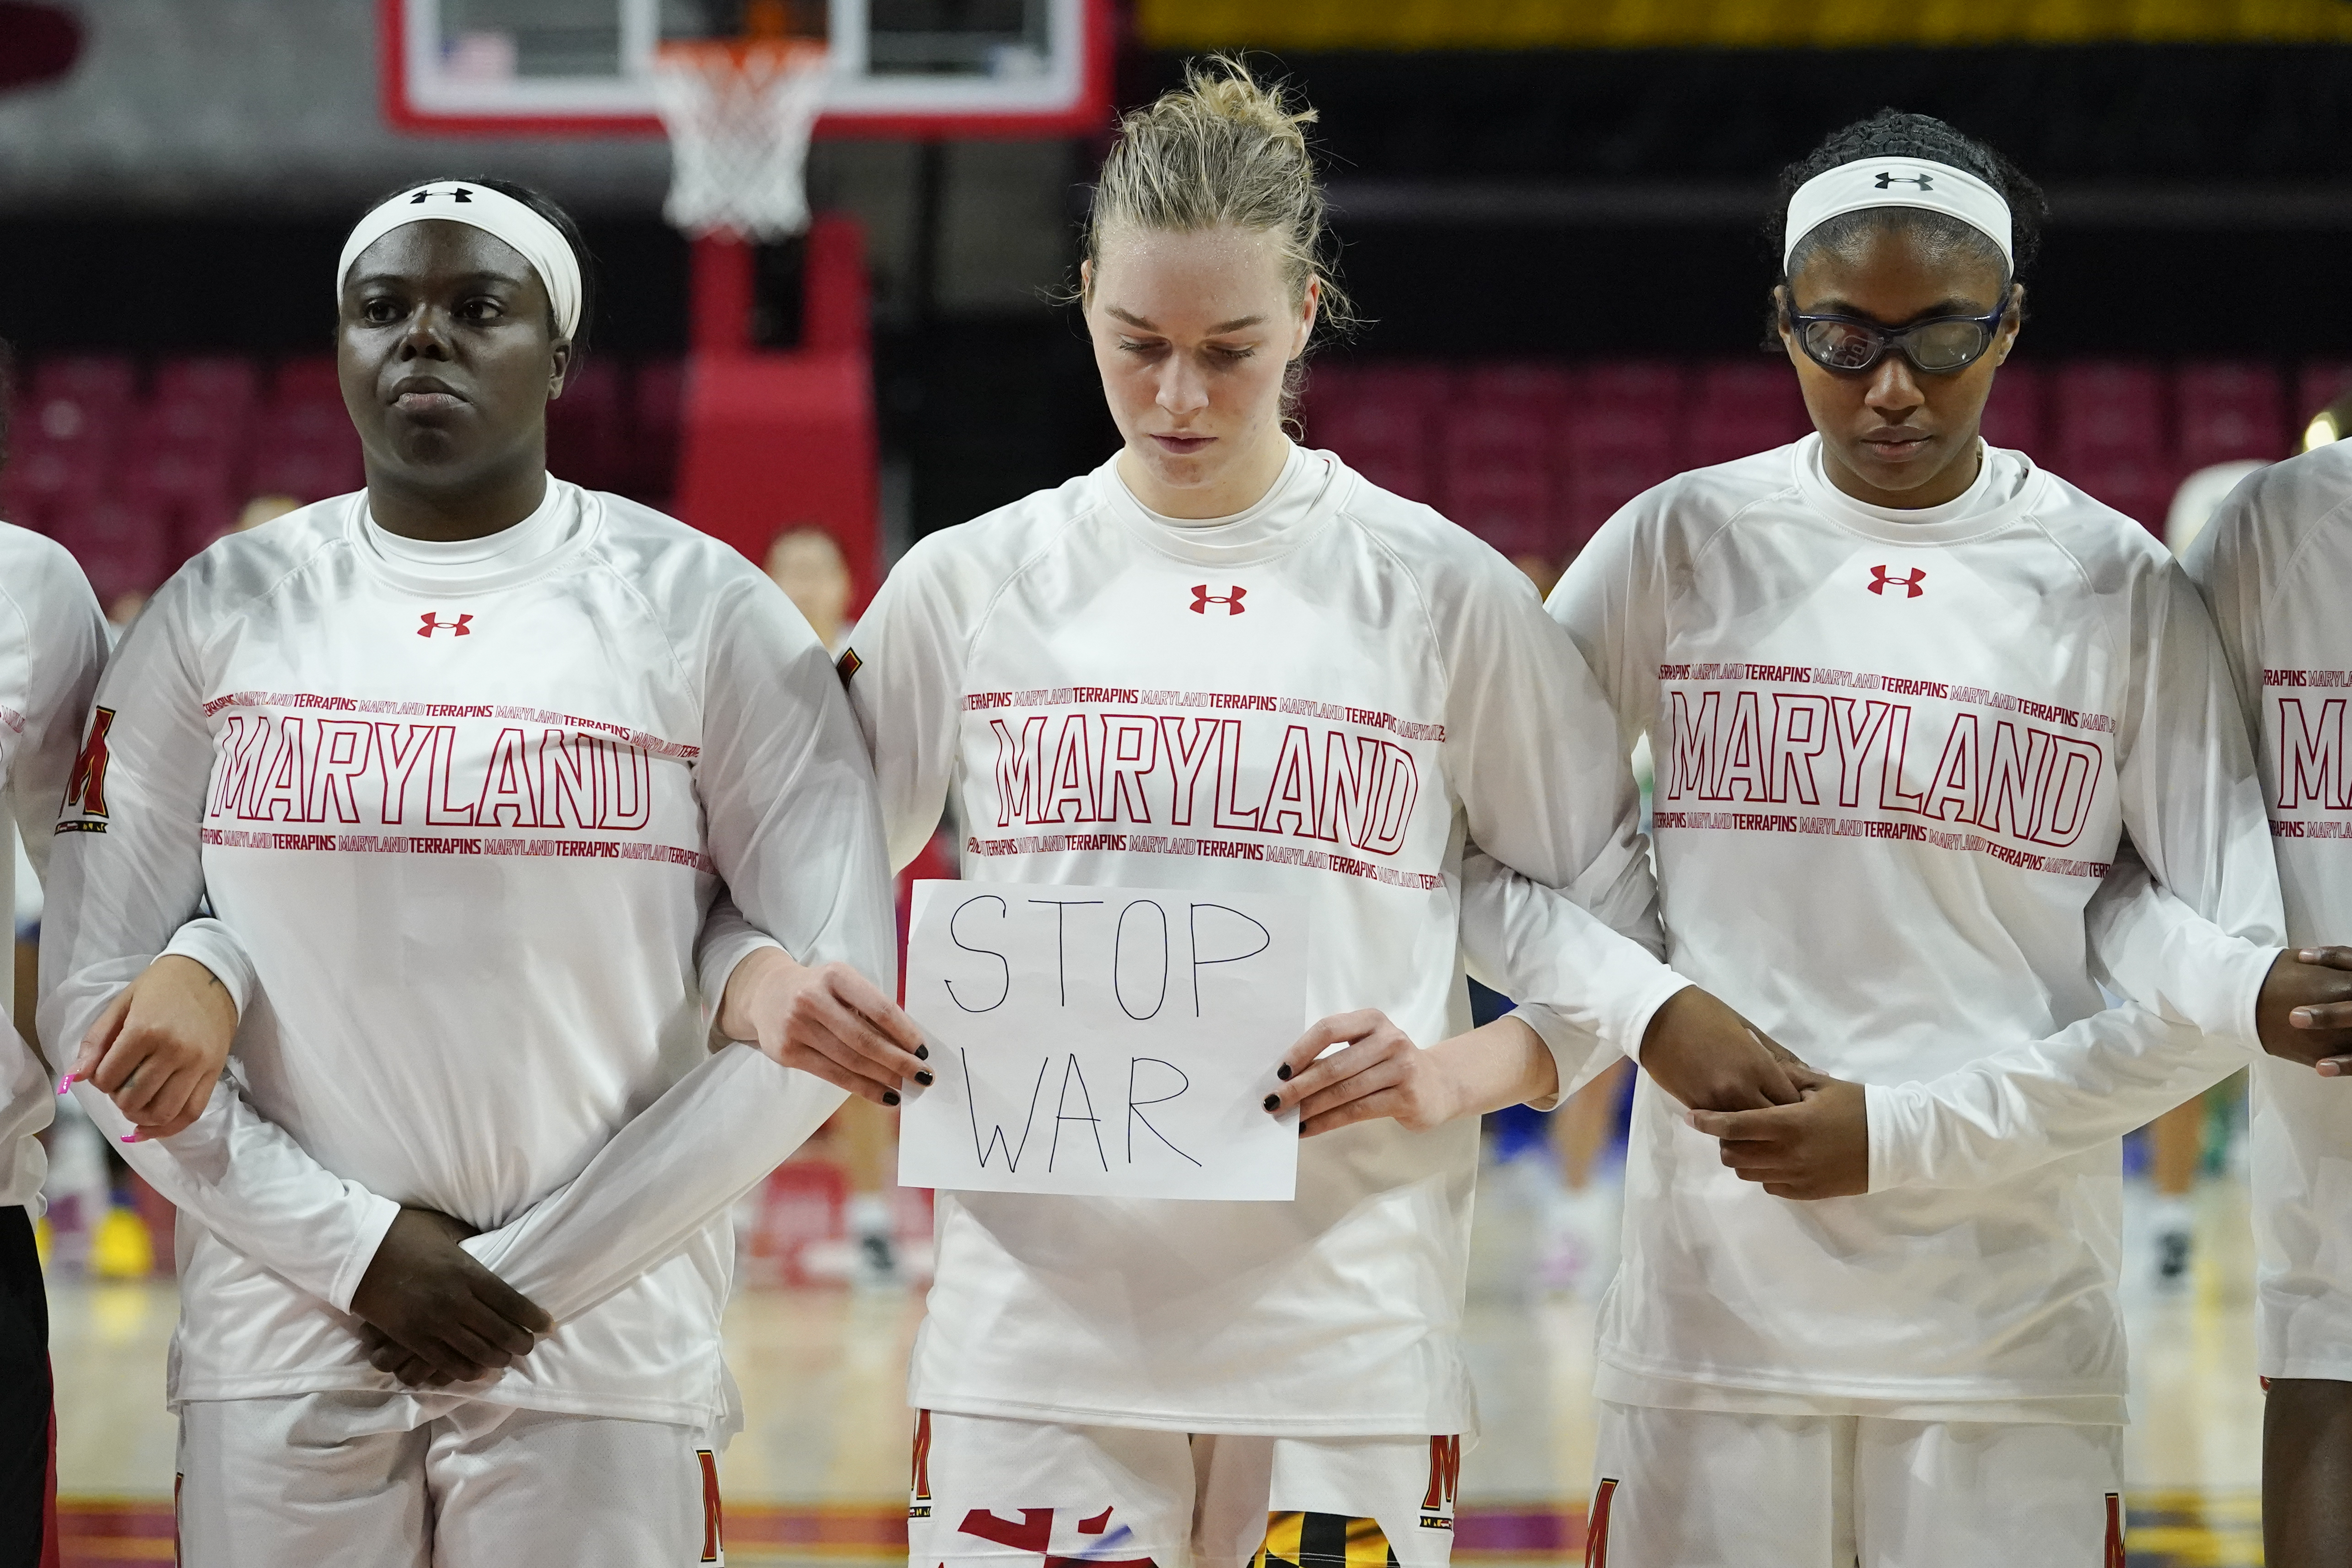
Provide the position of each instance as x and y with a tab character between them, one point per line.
2147	943
244	1179
2042	1101
1498	1064
1590	982
713	1137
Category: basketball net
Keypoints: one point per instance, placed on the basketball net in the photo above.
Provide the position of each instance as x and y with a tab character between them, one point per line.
739	113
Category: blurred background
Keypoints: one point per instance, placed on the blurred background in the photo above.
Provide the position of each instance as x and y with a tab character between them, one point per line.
1550	214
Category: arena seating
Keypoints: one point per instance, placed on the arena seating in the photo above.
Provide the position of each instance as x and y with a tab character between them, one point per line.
135	467
1534	458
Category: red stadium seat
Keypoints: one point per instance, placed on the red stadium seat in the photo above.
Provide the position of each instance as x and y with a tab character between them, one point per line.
1593	493
304	447
1623	438
1477	433
1379	439
1496	461
1507	504
1602	433
63	446
309	379
1758	388
101	381
194	484
302	442
306	473
1428	387
2140	490
586	431
1380	417
1645	389
124	547
1548	390
216	383
2108	415
2014	414
1742	407
196	429
2230	411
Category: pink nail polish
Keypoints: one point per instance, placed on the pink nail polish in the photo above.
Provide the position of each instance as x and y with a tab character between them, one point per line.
134	1137
65	1084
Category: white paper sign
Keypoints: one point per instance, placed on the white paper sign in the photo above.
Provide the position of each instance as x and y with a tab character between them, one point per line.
1107	1042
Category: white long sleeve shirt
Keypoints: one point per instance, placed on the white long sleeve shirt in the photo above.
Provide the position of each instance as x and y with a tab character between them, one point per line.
459	812
52	647
1897	751
2275	565
1329	694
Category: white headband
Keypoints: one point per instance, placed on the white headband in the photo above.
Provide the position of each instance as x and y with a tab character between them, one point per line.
1896	183
538	241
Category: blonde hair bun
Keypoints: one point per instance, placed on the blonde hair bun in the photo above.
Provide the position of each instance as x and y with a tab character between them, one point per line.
1226	148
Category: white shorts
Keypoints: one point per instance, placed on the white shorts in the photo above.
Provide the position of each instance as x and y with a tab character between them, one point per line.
2302	1142
284	1483
995	1493
1705	1489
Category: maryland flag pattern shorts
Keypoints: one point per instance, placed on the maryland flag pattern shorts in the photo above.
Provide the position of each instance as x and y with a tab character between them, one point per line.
994	1493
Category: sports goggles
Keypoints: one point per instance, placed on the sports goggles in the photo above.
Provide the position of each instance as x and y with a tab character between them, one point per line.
1941	346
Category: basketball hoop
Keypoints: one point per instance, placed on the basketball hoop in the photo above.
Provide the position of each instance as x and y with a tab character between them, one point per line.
739	113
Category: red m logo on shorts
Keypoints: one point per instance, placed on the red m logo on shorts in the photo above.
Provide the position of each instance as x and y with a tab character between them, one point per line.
462	625
1881	579
1231	599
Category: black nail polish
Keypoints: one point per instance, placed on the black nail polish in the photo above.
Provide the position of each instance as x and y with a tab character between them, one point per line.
924	1078
889	1096
1273	1103
1283	1072
922	1052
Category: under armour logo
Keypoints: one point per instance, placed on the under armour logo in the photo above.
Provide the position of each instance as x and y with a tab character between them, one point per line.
454	192
1202	599
1885	181
462	625
1881	579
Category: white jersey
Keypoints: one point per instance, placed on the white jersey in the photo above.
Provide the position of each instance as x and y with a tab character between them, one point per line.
2275	565
1330	694
52	646
1896	752
458	811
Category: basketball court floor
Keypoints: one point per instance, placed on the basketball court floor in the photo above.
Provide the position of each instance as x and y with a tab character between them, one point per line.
819	1476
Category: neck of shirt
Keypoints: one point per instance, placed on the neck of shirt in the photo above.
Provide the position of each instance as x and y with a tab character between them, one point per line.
513	552
1991	499
1277	520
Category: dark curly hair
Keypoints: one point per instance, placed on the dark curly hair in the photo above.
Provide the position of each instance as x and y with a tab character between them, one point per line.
1893	132
545	207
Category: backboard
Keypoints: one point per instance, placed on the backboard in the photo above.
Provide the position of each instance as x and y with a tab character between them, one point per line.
902	68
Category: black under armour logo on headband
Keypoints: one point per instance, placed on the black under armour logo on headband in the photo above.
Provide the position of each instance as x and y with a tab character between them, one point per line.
1919	180
460	193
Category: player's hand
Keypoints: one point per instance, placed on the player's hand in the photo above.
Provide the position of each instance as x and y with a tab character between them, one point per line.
430	1298
1817	1148
2305	1012
830	1021
1381	1074
160	1046
1711	1059
409	1371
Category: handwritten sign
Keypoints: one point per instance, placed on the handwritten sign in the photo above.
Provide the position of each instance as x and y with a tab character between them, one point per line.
1106	1042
